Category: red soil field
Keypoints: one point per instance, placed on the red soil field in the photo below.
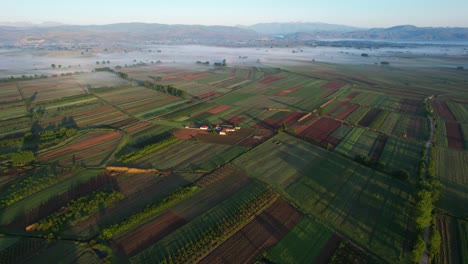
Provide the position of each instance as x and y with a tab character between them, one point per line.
332	91
143	236
349	109
289	90
262	233
442	110
320	130
333	141
268	123
208	94
138	127
232	72
218	109
196	75
236	119
291	119
302	127
86	142
334	85
454	136
409	106
351	96
271	79
188	133
369	117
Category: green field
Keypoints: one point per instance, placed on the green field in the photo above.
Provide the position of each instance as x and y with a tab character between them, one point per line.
463	238
370	208
302	244
400	154
451	169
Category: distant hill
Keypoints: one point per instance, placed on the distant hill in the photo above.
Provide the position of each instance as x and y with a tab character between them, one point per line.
143	32
288	28
403	32
127	32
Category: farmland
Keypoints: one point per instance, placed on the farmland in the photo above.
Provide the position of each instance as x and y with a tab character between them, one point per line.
255	161
330	188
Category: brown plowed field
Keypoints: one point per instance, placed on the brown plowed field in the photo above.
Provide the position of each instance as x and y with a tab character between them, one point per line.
319	131
454	136
442	110
218	109
349	109
263	232
196	75
330	92
137	239
86	142
188	133
409	106
449	248
289	90
271	79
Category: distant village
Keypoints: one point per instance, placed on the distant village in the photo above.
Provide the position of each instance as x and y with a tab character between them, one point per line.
222	130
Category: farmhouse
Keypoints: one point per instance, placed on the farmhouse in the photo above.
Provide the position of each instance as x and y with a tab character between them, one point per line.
222	133
204	127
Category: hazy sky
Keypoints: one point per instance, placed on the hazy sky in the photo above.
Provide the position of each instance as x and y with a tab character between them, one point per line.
364	13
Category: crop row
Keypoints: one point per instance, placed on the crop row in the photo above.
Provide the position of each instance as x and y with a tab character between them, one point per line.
148	212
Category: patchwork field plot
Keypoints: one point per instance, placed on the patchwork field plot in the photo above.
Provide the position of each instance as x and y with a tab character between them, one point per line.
50	89
302	244
259	235
198	229
451	168
452	241
136	100
336	190
190	155
460	111
85	111
9	92
91	148
320	131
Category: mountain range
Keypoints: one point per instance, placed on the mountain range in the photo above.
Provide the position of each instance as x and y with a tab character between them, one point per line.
52	32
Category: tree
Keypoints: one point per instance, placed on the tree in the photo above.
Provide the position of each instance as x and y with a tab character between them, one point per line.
53	66
418	249
71	132
97	62
224	62
320	111
60	66
424	207
22	158
434	242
